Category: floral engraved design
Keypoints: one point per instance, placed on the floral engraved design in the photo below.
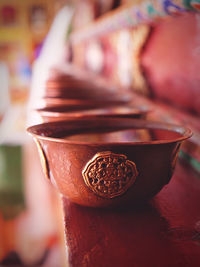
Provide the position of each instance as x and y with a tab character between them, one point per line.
109	175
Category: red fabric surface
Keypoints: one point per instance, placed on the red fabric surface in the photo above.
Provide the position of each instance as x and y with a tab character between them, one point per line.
164	232
171	61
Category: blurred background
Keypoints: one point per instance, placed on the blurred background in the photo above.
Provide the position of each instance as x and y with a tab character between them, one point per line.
148	48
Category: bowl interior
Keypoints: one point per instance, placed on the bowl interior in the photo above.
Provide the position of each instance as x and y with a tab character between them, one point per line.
110	130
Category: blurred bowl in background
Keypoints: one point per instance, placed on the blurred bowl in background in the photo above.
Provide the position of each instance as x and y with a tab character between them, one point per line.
56	102
82	111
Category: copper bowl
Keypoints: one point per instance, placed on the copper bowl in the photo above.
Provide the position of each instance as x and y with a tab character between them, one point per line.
47	102
84	88
86	93
79	111
102	162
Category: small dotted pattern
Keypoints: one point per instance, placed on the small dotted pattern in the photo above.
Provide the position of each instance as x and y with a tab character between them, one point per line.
109	175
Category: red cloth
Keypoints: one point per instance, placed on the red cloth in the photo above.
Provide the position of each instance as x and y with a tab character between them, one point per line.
171	61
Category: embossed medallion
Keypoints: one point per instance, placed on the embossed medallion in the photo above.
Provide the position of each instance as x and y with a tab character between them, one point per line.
109	175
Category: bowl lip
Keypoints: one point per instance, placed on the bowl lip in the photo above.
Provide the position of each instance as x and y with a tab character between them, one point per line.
116	97
187	133
56	102
84	101
89	111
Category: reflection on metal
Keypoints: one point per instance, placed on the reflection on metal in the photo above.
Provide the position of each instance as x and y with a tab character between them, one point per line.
43	159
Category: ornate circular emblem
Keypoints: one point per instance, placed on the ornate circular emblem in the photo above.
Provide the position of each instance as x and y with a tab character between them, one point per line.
109	175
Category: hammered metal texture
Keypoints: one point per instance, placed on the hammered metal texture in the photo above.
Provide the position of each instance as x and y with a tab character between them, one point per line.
43	159
109	175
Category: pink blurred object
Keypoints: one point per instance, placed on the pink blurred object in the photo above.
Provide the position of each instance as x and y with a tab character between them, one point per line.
171	61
